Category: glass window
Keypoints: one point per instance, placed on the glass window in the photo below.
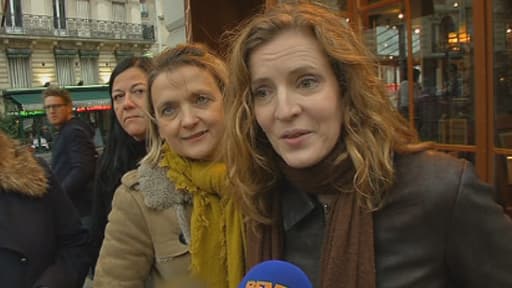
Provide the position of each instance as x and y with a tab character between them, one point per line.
89	70
59	14
443	71
144	12
13	17
502	38
503	73
82	9
384	32
118	12
65	70
20	72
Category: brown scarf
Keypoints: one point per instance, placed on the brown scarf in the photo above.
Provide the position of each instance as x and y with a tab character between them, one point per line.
348	259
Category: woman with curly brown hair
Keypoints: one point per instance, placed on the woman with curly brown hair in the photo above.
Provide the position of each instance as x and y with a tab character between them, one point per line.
331	177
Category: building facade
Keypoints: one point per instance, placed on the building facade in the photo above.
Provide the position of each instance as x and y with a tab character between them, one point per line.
68	43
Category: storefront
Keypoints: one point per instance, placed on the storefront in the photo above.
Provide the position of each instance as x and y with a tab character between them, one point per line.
457	56
25	109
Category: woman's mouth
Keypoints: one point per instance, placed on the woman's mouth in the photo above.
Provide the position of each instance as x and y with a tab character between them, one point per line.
194	136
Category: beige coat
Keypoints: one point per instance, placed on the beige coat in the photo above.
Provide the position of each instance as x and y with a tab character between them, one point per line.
142	246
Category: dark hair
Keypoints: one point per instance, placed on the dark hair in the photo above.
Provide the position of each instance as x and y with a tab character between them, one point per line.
143	63
58	92
121	154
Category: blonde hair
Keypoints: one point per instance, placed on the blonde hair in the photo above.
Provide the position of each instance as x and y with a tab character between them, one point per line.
193	54
372	129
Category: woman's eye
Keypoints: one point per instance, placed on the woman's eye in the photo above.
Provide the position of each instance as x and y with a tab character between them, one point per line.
139	92
117	98
307	82
168	111
261	92
202	99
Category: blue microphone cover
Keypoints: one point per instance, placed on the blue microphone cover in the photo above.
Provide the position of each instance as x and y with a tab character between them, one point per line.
275	274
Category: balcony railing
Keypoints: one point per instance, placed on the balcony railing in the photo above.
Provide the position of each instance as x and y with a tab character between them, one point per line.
42	25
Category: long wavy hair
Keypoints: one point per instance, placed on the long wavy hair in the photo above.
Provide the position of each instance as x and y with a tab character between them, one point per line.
192	54
372	129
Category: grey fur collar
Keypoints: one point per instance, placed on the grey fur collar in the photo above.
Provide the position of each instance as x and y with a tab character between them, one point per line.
159	193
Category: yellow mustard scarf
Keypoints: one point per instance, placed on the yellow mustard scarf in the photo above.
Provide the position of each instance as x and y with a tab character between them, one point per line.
217	235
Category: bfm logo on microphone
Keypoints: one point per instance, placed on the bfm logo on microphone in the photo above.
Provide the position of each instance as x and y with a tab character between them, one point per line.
275	274
263	284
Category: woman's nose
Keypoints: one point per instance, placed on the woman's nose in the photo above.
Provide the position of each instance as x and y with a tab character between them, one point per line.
287	106
189	118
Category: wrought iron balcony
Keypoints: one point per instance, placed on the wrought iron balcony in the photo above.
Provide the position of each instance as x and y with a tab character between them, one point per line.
42	25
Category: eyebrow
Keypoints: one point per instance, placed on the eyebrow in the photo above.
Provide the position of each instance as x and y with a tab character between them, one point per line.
164	104
201	91
295	71
137	84
131	87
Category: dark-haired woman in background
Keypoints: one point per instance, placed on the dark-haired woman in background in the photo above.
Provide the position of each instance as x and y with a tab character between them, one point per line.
125	145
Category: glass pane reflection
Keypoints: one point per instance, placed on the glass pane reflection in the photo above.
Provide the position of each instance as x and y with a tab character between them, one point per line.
443	57
384	32
503	72
442	62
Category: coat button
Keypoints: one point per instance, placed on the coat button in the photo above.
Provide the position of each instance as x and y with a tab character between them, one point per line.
23	260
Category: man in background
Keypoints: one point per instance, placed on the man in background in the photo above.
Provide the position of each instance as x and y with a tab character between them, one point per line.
73	153
403	93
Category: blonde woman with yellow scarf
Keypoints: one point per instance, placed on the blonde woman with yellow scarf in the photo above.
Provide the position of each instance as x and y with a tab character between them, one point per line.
171	219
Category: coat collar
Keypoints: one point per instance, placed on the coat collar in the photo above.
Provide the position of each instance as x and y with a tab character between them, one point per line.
19	170
158	191
295	205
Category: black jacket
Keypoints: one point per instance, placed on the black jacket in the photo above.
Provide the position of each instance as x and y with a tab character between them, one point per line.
41	239
74	162
439	228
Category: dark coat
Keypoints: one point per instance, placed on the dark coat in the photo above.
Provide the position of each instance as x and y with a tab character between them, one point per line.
41	239
439	228
74	162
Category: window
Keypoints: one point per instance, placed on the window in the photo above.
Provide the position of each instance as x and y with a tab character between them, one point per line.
20	74
13	17
59	14
65	69
143	9
118	12
82	9
89	66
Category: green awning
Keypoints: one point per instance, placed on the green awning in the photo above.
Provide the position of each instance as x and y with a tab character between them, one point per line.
83	96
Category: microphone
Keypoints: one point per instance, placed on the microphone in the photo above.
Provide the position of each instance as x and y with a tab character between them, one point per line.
275	274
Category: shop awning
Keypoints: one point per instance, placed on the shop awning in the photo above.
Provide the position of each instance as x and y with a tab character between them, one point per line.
82	96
